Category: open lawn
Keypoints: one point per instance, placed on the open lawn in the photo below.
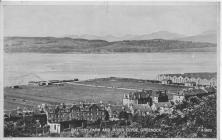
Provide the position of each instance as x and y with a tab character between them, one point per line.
67	94
130	83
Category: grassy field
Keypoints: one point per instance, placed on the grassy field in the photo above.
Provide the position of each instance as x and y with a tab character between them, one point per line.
131	84
67	94
108	90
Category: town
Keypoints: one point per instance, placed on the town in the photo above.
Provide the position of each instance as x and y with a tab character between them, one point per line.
158	109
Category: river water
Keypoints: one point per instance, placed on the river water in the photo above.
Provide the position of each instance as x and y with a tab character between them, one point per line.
19	68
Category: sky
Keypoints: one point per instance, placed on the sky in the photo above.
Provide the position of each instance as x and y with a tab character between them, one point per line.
109	19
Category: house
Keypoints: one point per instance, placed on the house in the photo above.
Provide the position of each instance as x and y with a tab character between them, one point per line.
177	97
143	110
76	79
166	81
165	110
139	97
186	79
163	107
155	95
163	97
43	83
92	112
114	110
54	128
145	98
38	83
153	107
213	82
190	84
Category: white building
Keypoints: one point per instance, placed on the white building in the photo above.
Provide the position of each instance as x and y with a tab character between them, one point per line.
190	84
54	128
203	79
178	98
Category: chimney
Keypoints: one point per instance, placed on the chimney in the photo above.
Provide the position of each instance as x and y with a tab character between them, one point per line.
125	96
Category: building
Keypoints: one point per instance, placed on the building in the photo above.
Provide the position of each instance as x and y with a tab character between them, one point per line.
165	108
139	97
38	83
89	112
190	84
202	79
163	97
62	116
43	83
114	111
54	128
178	97
166	81
145	98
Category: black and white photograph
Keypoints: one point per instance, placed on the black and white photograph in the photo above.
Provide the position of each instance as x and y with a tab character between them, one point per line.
110	69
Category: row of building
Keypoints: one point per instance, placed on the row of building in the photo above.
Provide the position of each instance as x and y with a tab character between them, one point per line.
90	112
155	99
189	79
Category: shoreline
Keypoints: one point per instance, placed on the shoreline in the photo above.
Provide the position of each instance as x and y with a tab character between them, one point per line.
85	53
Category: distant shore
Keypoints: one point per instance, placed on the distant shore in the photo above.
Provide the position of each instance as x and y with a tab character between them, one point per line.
67	45
168	52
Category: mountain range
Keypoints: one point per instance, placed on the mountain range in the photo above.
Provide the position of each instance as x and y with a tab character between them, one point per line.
207	36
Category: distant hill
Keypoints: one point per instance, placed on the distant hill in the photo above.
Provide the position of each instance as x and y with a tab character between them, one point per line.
158	45
51	44
208	36
94	37
69	45
159	35
155	35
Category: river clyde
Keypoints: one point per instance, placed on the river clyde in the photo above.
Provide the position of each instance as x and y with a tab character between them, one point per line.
19	68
